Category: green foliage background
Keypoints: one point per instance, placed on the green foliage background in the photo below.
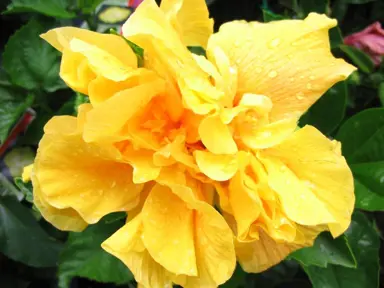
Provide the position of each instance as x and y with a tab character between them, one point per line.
34	254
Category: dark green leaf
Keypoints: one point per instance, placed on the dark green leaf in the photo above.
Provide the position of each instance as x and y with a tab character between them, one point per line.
198	50
238	279
88	6
21	237
80	99
84	257
136	48
364	242
358	1
332	104
30	62
8	189
362	138
53	8
381	93
335	37
13	104
270	16
25	188
359	58
339	9
4	78
319	6
326	250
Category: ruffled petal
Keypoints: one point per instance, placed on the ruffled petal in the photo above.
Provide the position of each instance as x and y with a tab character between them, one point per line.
312	180
217	167
105	122
259	255
216	136
289	61
85	177
190	18
126	244
169	229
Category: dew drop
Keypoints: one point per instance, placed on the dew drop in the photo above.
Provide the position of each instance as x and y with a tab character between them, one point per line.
113	184
272	74
232	70
300	96
291	79
274	43
309	86
237	43
258	69
312	77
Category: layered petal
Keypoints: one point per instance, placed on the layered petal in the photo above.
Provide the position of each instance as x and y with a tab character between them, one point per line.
190	18
166	54
312	180
85	177
289	61
259	255
87	54
126	244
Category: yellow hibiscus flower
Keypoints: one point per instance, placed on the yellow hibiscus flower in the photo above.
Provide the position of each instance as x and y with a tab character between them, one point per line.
171	140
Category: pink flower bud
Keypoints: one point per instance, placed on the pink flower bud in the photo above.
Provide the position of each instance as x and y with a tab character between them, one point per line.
370	40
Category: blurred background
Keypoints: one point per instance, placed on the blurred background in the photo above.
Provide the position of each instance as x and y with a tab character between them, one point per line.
35	255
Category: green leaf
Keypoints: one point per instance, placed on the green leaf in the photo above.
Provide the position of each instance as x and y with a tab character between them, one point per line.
84	257
365	243
359	58
238	279
136	48
326	250
80	99
319	6
270	16
25	188
53	8
381	93
332	104
88	6
13	104
335	37
198	50
362	138
30	62
8	189
4	78
21	237
358	1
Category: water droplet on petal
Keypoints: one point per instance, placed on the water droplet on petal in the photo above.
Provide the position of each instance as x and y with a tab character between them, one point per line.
232	70
312	77
237	43
113	184
300	96
291	79
272	74
309	86
274	43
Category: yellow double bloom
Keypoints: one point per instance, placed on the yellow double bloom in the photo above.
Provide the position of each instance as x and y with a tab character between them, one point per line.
176	141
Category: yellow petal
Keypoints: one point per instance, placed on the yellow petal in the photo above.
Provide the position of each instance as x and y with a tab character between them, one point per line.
259	255
105	122
27	171
66	219
60	38
190	18
312	179
101	89
127	245
103	63
215	254
85	177
267	135
168	233
216	167
289	61
75	71
169	57
216	136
